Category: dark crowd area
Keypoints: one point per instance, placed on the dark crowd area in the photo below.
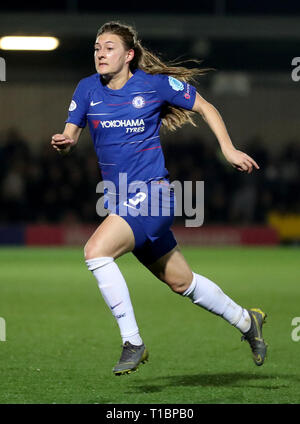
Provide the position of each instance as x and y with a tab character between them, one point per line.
40	186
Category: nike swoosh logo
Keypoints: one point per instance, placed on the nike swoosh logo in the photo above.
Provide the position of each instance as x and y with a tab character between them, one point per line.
94	104
257	326
113	307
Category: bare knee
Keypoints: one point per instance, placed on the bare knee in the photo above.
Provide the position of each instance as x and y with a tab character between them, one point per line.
179	285
113	238
173	270
92	250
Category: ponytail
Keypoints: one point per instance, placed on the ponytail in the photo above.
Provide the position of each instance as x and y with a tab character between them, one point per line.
172	116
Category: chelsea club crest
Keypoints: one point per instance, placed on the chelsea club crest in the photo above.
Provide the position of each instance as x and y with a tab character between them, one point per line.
138	102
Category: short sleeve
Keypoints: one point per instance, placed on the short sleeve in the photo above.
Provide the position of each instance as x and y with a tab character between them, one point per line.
78	106
176	92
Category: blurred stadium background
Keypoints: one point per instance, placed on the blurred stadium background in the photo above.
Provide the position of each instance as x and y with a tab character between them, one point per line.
60	341
252	87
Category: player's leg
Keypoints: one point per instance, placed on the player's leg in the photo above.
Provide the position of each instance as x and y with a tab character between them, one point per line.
173	270
113	238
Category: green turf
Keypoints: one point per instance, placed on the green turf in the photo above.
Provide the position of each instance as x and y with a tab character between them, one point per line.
62	341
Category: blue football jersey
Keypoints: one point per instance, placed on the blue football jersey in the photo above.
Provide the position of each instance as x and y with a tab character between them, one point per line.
125	123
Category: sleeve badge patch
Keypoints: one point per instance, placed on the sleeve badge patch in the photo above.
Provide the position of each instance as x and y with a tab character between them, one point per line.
176	84
73	106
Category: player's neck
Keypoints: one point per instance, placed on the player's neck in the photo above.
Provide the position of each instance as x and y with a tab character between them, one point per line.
117	81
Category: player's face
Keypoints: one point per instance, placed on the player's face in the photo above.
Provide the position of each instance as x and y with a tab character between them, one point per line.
110	54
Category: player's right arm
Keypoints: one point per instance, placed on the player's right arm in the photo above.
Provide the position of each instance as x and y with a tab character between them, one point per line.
65	142
76	121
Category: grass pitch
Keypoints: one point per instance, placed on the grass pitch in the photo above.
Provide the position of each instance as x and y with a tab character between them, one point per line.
62	342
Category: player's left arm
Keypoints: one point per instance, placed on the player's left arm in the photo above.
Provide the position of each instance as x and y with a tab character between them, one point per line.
236	158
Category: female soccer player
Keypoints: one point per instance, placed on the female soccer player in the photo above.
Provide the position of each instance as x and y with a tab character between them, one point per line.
125	103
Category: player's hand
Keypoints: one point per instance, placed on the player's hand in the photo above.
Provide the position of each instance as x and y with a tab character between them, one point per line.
61	143
240	160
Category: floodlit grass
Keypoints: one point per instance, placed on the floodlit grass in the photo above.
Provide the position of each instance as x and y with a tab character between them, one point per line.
62	342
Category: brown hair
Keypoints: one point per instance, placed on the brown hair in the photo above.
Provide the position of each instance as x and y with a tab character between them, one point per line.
172	116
